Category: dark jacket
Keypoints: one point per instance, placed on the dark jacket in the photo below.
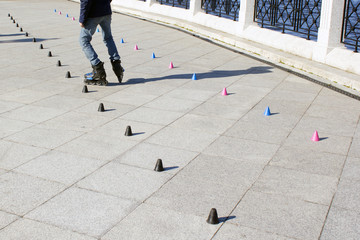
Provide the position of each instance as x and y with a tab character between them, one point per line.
94	8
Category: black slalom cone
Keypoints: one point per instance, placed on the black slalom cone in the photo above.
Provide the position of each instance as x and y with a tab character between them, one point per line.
213	217
101	108
85	89
68	75
17	25
26	34
34	39
41	46
159	166
49	54
8	14
58	63
128	131
11	18
14	21
21	29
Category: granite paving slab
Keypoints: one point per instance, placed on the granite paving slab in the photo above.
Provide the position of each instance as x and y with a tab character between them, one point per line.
328	143
230	231
83	211
347	195
13	154
21	193
309	161
151	222
145	155
6	219
93	145
60	167
305	186
351	169
188	139
153	116
124	181
12	126
281	215
197	197
34	136
215	125
252	151
220	170
341	224
29	229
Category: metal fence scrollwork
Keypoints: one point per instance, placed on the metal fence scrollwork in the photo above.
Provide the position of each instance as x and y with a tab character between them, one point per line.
351	24
222	8
302	17
176	3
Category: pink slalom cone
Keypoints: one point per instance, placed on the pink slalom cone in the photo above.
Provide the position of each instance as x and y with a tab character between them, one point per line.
224	92
315	137
73	18
60	13
171	65
136	47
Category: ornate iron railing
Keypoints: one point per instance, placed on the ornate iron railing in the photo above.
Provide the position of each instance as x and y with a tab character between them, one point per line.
222	8
351	24
176	3
301	17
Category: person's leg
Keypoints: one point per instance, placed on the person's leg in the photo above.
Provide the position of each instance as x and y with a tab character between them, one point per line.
108	38
85	39
112	50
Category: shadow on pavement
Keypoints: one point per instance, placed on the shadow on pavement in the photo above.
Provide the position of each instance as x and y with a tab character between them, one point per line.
205	75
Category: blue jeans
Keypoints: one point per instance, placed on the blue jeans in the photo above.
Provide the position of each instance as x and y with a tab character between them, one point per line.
86	36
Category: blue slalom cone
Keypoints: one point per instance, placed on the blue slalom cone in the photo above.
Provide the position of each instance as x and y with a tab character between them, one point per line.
98	30
153	55
194	77
67	15
267	112
122	41
54	10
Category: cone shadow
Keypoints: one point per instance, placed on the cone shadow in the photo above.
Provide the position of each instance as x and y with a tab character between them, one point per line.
225	219
323	138
139	133
170	168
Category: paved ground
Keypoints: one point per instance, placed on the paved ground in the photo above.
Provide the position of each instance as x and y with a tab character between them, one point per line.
68	172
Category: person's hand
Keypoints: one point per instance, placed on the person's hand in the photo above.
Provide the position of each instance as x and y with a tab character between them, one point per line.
81	25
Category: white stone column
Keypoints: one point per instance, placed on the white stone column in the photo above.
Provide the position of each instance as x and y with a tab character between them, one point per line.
246	14
329	34
150	2
195	6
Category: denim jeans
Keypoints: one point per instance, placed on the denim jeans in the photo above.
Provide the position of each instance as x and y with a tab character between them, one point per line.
86	35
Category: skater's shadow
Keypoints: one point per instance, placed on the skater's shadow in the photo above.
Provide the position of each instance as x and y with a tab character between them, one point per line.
11	35
205	75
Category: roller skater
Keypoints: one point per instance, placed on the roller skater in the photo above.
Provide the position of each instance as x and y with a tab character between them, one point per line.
92	14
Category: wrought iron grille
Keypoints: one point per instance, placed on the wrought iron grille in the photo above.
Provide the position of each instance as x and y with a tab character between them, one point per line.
222	8
351	24
176	3
301	17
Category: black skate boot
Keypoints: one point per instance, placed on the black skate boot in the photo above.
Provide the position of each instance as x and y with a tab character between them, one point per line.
118	69
98	77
